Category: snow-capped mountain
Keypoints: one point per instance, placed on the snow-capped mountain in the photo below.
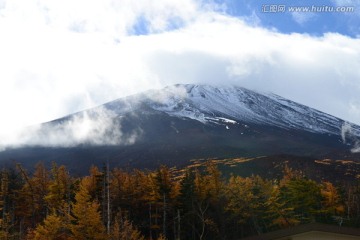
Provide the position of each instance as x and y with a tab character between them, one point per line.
233	105
178	123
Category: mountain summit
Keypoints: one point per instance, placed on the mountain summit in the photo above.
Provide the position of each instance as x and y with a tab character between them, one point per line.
233	105
183	122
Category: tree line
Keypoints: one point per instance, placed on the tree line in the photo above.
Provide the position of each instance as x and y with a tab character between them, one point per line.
195	203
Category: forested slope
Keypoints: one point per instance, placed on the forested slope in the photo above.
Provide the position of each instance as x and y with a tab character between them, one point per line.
193	203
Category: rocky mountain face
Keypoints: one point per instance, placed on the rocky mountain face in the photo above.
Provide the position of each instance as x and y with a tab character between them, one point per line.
232	105
183	122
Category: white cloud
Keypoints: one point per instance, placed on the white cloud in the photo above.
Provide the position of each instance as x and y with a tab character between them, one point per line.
321	72
59	57
348	135
302	17
97	127
356	148
345	130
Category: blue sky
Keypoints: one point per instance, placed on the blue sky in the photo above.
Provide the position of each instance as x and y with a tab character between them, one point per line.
60	57
314	23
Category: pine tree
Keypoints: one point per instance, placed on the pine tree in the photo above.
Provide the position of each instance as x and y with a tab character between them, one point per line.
163	184
332	207
4	220
32	207
87	223
54	227
304	197
123	229
187	198
58	197
240	198
279	213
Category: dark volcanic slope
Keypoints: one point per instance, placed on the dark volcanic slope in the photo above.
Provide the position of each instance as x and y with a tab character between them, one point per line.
186	122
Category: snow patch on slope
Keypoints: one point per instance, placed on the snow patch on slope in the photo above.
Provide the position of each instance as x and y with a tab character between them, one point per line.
205	103
233	105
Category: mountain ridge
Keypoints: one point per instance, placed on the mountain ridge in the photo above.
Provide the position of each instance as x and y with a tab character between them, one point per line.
183	122
203	102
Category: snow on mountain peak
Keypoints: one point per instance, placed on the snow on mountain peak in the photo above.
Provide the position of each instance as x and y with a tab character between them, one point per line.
212	104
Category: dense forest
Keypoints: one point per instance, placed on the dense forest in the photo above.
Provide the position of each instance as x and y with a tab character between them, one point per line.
193	203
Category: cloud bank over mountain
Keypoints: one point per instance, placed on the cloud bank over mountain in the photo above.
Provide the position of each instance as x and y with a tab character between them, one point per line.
62	57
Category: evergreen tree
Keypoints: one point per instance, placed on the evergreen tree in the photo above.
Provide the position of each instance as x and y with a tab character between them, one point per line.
187	199
304	197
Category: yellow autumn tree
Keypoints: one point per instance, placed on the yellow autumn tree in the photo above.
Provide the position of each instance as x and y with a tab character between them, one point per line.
86	224
123	229
53	228
32	207
58	196
332	204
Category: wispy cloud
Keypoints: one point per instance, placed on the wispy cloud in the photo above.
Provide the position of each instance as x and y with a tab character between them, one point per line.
356	148
350	137
302	17
345	130
94	127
